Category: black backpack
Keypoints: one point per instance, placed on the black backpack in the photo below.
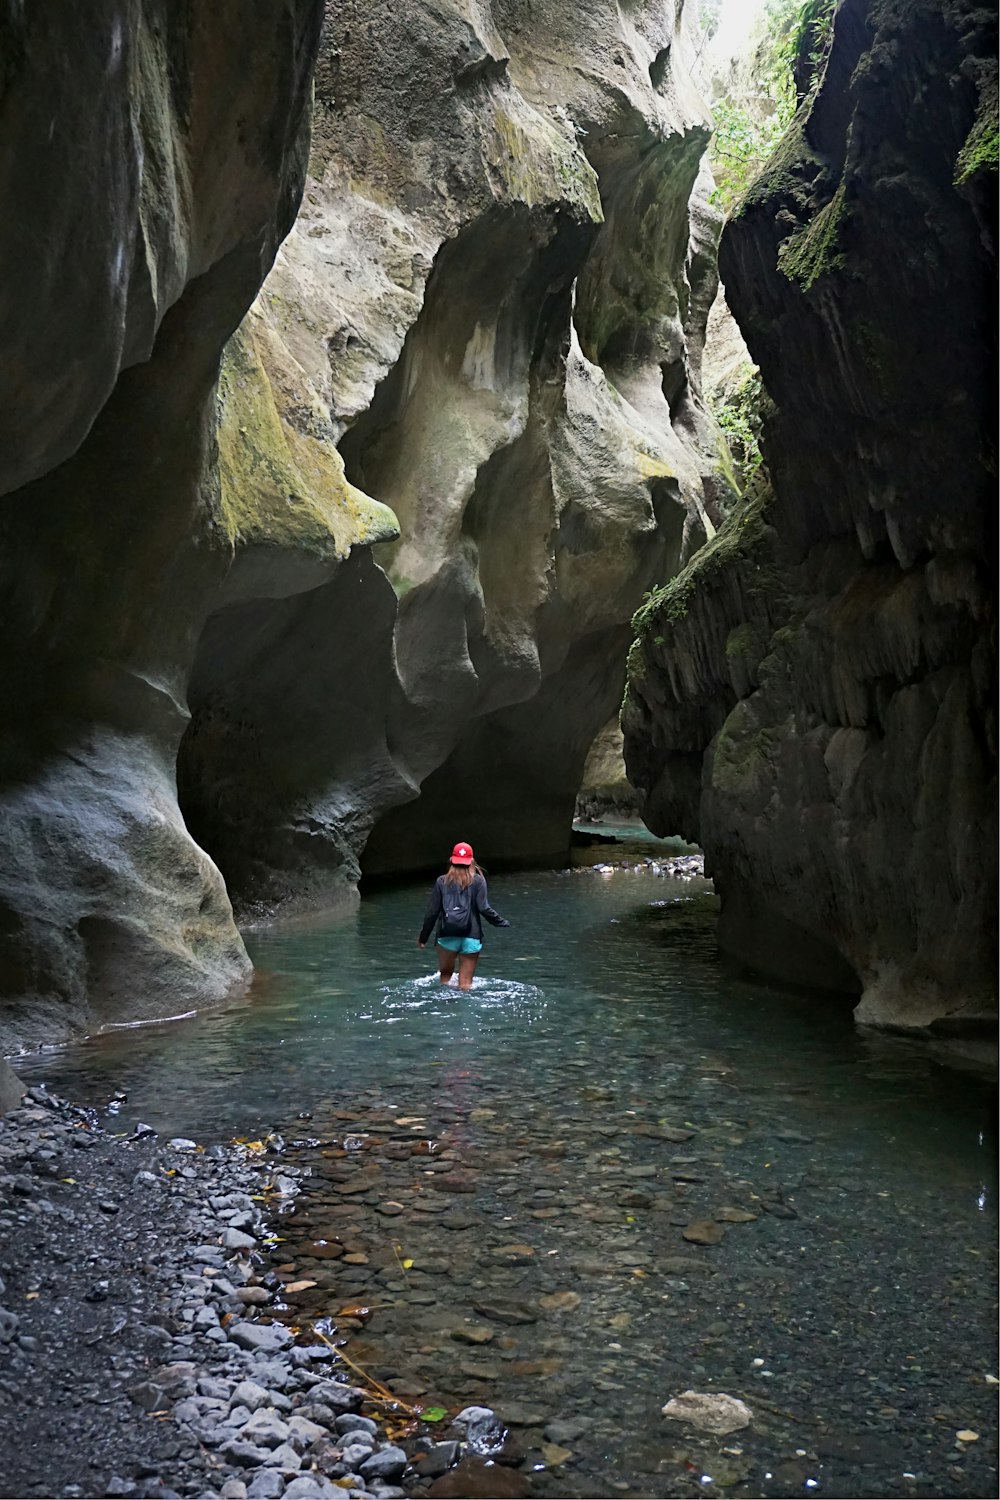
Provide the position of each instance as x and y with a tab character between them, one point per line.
456	909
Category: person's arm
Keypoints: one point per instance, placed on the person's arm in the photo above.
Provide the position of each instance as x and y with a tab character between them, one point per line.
485	909
431	914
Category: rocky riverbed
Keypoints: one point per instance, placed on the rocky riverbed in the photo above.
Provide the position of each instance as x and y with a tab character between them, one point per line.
138	1357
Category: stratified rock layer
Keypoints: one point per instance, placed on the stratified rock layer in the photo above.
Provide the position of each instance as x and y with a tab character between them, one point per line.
493	302
812	700
150	167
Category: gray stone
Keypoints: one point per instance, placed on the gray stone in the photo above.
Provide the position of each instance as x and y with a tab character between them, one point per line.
248	1455
387	1465
215	1388
339	1397
267	1484
304	1487
354	1454
284	1458
267	1429
235	1239
302	1432
262	1337
251	1395
354	1422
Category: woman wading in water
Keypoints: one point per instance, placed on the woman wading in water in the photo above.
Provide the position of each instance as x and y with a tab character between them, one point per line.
457	904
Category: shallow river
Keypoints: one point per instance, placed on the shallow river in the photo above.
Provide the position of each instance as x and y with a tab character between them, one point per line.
613	1172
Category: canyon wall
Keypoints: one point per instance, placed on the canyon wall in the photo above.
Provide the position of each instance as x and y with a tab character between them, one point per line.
367	585
149	168
813	698
493	304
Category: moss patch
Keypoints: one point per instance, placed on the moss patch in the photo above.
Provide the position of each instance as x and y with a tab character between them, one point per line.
979	154
279	485
816	250
744	538
533	162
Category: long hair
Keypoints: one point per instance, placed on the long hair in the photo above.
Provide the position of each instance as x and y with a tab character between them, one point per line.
462	875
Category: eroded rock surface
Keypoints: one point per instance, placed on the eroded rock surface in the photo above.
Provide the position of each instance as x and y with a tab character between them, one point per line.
812	699
150	169
493	301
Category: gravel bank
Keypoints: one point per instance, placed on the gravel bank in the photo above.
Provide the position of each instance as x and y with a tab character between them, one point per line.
137	1359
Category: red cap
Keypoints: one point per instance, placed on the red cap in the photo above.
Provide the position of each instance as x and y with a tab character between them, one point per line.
462	854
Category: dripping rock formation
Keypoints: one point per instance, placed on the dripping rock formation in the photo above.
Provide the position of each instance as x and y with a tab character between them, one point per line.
812	699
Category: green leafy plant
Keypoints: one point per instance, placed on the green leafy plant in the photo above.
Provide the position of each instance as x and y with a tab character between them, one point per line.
739	416
754	105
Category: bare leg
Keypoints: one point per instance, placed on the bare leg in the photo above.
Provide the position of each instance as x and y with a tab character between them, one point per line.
466	969
446	963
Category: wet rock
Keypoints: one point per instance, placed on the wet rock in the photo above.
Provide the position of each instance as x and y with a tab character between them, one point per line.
501	1310
709	1411
476	1479
703	1232
684	1265
518	1414
438	1460
778	1208
386	1465
560	1302
354	1422
566	1431
342	1398
735	1216
473	1333
484	1432
856	1448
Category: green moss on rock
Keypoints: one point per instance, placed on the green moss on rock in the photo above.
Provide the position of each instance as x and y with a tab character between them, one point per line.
535	163
980	151
817	248
278	485
745	538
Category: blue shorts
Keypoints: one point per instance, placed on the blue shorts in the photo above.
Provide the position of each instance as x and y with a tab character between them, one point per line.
460	945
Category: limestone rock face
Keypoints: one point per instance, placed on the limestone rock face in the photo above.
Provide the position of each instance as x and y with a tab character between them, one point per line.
812	699
605	791
150	168
493	301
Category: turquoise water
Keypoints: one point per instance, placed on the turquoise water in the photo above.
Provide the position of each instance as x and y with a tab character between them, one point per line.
606	1086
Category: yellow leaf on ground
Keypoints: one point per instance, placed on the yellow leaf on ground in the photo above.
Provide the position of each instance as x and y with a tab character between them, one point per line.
406	1264
299	1286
